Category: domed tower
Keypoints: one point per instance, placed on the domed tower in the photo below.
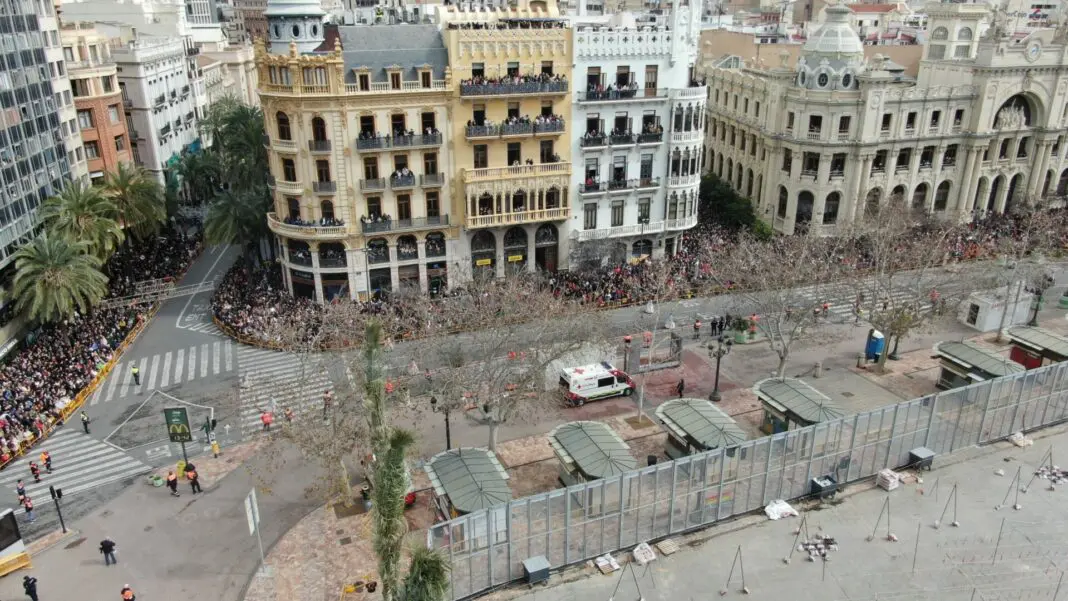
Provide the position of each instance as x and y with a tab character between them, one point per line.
833	56
294	21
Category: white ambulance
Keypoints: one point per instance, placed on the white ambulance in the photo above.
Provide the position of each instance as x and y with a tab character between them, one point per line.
593	383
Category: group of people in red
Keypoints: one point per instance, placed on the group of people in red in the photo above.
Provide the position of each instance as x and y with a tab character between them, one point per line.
20	489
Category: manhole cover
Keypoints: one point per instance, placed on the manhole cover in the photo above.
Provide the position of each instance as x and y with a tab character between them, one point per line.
847	395
74	543
346	541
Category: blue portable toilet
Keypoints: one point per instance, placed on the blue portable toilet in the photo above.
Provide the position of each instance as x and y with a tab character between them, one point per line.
875	347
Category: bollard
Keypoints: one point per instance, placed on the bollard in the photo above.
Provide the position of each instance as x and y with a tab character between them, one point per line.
817	372
860	360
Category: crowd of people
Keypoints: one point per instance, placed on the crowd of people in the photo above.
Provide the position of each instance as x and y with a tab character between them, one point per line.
514	80
251	300
60	359
323	222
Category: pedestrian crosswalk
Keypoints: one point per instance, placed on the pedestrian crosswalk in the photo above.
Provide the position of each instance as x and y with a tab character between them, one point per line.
842	299
163	370
79	463
205	327
275	380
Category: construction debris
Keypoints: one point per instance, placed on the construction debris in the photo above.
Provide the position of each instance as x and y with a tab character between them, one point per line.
818	547
779	509
667	547
1020	440
606	563
1053	473
888	479
643	554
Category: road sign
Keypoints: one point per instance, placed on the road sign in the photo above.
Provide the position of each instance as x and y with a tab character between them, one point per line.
252	511
177	420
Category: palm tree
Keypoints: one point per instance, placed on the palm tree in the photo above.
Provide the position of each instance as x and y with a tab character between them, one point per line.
171	188
387	511
237	218
428	575
138	199
212	124
201	172
55	277
241	146
83	214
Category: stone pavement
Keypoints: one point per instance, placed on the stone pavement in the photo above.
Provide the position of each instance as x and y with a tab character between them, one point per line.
964	563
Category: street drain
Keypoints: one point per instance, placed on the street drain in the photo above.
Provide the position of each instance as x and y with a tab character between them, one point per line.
346	541
74	543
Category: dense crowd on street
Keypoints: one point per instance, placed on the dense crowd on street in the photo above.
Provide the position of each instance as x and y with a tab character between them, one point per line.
253	301
60	359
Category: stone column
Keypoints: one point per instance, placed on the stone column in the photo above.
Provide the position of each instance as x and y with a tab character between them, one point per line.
1003	195
424	281
1038	168
860	189
968	181
394	271
314	250
531	250
499	258
356	282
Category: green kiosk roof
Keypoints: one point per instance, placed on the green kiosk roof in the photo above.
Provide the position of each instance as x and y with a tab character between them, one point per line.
971	355
701	421
1040	339
593	447
471	478
790	395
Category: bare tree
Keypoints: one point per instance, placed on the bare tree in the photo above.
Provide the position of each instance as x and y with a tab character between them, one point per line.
494	370
779	289
1021	245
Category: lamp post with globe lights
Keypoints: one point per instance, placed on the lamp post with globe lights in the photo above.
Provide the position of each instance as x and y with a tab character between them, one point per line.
718	350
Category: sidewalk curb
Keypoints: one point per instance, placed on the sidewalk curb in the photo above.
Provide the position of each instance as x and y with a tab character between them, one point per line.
38	547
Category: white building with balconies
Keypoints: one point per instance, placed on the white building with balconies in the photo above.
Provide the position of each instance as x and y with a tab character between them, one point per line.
637	134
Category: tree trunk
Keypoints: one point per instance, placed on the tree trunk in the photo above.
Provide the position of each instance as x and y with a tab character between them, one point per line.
881	363
494	427
784	357
344	485
1007	309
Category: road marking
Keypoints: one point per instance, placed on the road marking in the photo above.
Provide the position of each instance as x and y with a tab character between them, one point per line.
96	395
127	379
192	370
216	360
166	378
229	356
153	372
179	363
204	360
178	322
141	372
116	375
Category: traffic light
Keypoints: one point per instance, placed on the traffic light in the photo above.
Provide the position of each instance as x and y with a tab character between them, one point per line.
57	493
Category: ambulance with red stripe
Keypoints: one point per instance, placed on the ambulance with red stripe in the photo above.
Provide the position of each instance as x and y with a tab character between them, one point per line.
594	382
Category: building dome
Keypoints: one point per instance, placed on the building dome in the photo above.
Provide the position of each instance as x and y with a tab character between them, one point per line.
298	22
833	55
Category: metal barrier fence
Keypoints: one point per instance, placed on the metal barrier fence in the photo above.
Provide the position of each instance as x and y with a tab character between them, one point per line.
568	526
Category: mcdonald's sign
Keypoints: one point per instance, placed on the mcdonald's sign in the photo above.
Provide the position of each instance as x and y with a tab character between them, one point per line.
178	424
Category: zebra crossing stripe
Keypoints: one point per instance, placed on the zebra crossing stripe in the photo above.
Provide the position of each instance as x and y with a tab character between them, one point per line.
203	361
166	378
216	360
229	355
141	372
192	371
116	375
153	372
179	363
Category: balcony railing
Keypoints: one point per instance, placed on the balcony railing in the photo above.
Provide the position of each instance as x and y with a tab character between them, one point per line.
305	231
593	188
400	225
389	142
648	182
511	89
594	141
377	183
517	129
551	127
498	173
324	187
319	145
300	257
520	217
621	138
432	180
400	182
650	138
813	134
332	260
949	162
684	180
161	99
635	230
378	255
483	131
622	95
622	184
878	169
901	168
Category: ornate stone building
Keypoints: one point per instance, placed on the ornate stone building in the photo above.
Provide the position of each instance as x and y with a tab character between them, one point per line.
981	127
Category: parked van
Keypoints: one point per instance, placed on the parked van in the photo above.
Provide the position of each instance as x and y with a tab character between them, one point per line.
593	383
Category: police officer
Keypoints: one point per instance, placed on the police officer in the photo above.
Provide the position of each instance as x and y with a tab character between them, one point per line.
85	422
29	584
136	371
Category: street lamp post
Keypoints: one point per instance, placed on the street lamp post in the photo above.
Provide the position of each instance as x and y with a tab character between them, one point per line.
718	350
444	410
1038	291
644	221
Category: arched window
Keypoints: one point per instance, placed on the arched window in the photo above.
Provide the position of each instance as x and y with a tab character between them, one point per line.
919	197
332	254
940	33
783	202
326	209
942	196
871	203
294	207
318	129
897	196
965	34
642	248
805	202
378	251
282	120
407	248
830	208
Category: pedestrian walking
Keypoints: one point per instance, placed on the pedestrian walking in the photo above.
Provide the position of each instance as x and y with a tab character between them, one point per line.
127	593
46	459
85	422
194	481
172	483
680	387
36	471
288	414
328	401
107	547
29	584
27	504
697	329
136	371
20	490
267	418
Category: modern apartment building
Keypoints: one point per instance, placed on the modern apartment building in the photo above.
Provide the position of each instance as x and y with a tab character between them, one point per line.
154	81
360	154
57	67
511	131
981	128
250	15
100	116
637	133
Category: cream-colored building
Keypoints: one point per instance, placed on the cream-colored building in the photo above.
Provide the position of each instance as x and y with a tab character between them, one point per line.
510	123
981	128
358	139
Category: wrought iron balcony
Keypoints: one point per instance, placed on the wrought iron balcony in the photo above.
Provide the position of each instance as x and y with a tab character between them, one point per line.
483	131
597	141
517	129
432	180
324	187
551	127
513	89
319	145
650	138
621	138
622	184
400	182
400	225
593	188
400	141
377	183
622	95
